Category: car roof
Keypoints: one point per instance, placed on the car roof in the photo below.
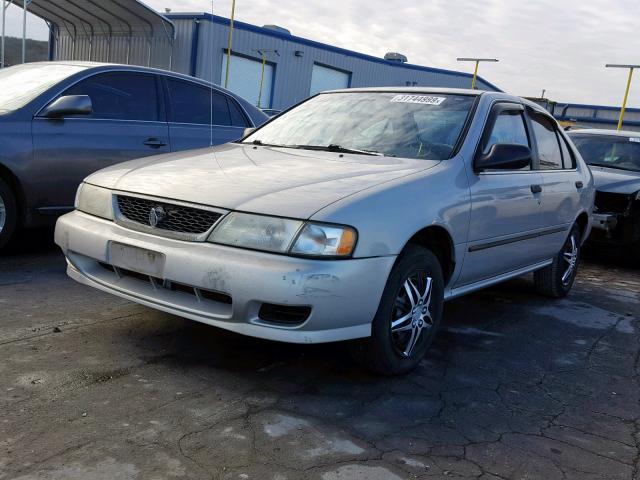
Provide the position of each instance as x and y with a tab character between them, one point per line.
603	131
445	91
119	66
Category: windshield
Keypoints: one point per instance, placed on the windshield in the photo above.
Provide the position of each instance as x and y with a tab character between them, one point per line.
420	126
21	84
609	151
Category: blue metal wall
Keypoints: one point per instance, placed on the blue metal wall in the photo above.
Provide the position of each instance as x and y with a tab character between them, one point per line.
201	40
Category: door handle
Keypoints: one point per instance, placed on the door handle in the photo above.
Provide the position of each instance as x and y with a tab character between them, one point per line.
579	184
154	143
536	189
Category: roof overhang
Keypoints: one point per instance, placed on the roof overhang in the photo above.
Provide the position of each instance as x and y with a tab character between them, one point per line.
106	18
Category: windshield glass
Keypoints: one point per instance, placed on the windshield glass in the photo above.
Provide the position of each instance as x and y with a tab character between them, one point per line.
21	84
421	126
609	151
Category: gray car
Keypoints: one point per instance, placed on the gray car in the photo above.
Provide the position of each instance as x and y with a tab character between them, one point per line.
61	121
614	159
352	216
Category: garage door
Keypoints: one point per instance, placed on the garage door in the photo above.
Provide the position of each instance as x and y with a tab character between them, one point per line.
244	79
325	78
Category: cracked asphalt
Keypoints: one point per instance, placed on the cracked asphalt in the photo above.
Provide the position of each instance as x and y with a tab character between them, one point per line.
517	386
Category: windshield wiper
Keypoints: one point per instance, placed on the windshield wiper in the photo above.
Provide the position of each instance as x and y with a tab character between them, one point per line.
262	144
340	149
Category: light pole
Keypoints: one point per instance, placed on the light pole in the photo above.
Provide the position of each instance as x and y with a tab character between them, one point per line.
230	41
475	71
263	55
626	92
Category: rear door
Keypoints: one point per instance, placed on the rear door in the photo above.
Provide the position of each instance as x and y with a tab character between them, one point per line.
505	211
200	116
126	123
559	180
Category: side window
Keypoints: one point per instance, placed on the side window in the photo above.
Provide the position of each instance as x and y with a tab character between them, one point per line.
193	104
568	159
237	117
549	153
120	96
508	128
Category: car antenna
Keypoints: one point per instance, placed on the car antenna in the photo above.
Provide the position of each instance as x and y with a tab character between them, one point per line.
211	97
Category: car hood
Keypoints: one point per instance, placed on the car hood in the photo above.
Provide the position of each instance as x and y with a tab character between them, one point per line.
613	180
268	180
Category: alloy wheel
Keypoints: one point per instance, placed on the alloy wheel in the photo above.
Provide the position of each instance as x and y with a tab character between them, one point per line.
412	312
3	214
570	256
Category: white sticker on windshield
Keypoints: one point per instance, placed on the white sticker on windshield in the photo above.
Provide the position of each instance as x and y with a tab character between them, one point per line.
634	139
423	99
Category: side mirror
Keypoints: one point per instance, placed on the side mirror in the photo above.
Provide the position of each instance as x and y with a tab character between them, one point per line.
248	131
503	156
69	105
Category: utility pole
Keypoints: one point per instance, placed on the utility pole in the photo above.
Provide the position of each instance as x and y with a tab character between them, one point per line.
626	92
230	42
475	71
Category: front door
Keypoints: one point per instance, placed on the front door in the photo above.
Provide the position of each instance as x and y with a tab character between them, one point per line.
125	124
505	211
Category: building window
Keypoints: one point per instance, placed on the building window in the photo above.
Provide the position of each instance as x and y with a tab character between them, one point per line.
247	80
325	78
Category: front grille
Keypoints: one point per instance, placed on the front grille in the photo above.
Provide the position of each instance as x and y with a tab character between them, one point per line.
607	202
170	217
199	293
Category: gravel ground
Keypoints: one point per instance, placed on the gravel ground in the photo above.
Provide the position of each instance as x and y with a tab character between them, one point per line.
516	386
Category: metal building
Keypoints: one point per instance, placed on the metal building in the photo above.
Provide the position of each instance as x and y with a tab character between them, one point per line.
294	67
577	115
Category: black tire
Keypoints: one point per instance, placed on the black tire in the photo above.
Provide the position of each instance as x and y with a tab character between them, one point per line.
550	280
10	213
382	352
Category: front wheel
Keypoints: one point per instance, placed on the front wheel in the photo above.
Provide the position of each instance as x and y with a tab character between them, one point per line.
557	279
408	316
8	213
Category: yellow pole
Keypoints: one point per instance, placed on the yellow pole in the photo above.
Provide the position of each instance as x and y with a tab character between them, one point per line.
475	75
624	102
230	42
264	60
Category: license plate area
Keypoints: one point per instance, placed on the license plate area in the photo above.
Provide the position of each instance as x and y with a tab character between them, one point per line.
137	259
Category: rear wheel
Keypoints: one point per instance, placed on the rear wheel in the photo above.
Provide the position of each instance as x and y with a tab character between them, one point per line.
8	213
557	279
408	316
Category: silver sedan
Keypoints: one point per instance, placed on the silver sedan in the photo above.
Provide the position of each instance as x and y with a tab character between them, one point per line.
353	216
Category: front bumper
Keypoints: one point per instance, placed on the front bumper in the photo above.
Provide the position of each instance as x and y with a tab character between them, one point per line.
343	294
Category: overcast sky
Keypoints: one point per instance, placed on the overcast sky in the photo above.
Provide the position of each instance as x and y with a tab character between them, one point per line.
559	45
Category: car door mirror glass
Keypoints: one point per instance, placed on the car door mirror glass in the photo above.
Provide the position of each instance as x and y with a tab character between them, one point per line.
504	156
69	105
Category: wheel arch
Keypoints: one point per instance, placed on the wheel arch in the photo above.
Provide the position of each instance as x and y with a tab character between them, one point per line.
583	223
437	239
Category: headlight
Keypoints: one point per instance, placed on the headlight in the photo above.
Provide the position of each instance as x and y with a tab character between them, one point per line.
325	240
256	231
94	201
284	235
